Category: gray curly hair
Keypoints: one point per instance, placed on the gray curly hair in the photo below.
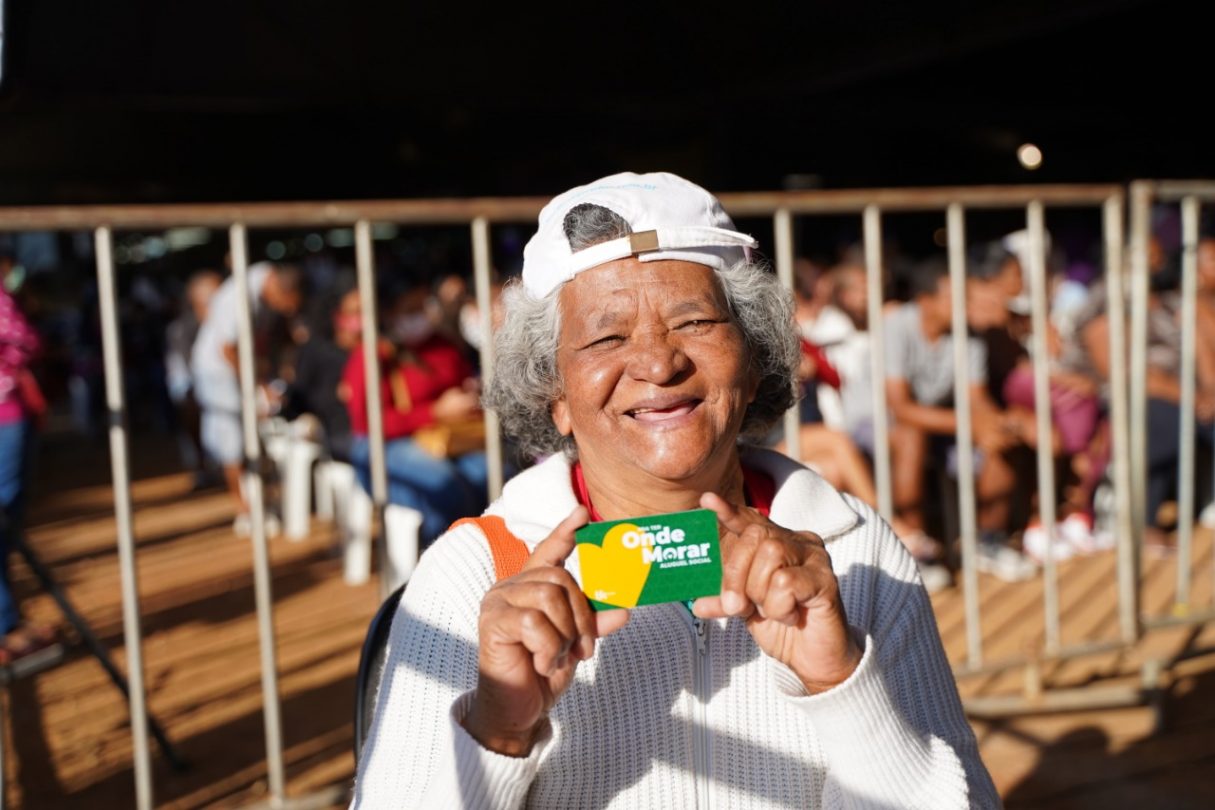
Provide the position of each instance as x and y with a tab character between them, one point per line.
526	382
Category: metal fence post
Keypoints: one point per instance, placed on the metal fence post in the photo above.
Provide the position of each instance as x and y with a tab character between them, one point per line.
1128	560
1042	413
365	261
782	222
875	289
257	514
117	412
1189	327
1140	290
481	281
955	226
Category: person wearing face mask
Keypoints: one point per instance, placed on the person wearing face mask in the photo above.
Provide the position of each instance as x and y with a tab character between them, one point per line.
425	381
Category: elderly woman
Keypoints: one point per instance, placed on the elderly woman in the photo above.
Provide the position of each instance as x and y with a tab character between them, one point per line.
642	350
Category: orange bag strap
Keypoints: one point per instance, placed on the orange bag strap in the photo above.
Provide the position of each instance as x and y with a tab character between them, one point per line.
509	552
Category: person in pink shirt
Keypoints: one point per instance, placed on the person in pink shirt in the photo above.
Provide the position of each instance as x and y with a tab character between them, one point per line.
21	406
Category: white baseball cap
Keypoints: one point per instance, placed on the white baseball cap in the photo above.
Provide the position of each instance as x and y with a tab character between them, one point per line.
671	218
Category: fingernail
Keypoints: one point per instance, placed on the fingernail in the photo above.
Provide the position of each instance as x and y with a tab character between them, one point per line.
587	645
733	602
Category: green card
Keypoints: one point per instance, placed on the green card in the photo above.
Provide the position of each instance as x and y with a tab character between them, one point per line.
651	559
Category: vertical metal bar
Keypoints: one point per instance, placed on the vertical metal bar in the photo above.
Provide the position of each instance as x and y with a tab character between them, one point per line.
257	515
1140	290
365	262
481	281
955	225
1034	217
872	222
782	223
1128	560
1189	350
116	408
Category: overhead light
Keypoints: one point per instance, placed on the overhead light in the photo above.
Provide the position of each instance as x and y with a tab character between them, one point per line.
1029	155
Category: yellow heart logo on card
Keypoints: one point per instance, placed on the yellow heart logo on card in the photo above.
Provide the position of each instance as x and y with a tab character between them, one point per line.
615	572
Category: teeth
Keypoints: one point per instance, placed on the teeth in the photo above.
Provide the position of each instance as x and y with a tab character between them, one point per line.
677	408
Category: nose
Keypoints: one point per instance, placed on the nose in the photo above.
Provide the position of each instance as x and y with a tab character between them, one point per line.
657	358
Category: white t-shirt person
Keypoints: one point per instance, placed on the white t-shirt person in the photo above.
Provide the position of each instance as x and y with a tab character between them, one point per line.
216	384
927	366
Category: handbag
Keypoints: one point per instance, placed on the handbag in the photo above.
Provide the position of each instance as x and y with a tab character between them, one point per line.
442	440
452	439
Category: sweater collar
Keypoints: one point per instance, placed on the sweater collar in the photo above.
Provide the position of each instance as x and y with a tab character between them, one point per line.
537	499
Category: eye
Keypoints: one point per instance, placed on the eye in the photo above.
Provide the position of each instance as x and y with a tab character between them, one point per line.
697	325
607	341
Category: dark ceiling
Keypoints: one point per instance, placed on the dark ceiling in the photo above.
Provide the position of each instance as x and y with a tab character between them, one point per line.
137	100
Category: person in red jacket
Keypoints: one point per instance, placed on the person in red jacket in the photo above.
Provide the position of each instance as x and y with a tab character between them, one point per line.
424	381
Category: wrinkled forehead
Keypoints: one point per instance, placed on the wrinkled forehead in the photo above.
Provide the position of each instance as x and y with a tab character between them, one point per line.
626	287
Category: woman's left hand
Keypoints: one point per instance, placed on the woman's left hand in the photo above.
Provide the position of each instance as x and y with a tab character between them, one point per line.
781	582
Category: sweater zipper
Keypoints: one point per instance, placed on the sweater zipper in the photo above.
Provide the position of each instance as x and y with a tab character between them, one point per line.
701	739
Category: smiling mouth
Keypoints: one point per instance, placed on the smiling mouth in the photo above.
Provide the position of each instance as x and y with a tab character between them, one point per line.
664	413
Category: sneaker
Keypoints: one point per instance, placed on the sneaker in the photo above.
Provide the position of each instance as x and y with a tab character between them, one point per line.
935	577
1080	531
1035	544
1002	562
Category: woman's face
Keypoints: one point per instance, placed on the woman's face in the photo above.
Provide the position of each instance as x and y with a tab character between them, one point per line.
657	375
347	320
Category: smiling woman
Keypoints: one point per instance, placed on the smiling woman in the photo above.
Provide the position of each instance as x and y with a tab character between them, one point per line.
641	350
527	381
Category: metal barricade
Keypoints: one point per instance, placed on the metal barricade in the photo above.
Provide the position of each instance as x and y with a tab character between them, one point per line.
479	214
955	202
1189	197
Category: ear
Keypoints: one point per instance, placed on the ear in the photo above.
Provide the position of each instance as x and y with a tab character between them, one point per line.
561	417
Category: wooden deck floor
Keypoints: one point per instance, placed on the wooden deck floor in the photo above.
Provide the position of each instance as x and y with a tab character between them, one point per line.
68	743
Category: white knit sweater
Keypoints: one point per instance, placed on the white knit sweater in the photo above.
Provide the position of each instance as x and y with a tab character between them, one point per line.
662	718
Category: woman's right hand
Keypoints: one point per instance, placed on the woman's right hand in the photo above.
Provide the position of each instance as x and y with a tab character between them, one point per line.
535	627
455	405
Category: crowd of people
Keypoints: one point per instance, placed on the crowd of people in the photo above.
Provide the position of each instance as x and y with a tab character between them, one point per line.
918	356
310	370
434	439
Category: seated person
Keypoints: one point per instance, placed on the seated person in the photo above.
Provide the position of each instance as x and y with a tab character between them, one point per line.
319	368
830	452
425	382
920	389
998	311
